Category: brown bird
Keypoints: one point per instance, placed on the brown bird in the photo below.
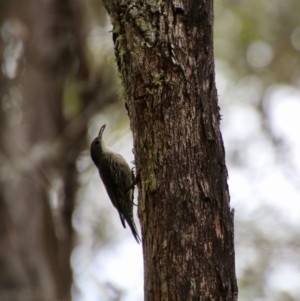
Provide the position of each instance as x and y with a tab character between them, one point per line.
117	179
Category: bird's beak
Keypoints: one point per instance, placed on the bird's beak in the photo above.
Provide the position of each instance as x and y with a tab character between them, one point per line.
101	131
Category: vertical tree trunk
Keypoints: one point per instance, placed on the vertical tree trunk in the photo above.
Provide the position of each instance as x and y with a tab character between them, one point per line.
164	51
38	170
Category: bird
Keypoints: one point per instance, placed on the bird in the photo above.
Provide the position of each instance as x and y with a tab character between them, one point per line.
117	179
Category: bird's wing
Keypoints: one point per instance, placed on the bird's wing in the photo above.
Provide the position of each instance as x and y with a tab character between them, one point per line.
116	177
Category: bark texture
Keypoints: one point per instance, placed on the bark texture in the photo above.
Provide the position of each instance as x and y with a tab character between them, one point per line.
164	52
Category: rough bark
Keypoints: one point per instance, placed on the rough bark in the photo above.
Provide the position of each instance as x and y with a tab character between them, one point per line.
164	52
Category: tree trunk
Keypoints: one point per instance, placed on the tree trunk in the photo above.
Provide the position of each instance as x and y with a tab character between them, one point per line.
164	52
38	163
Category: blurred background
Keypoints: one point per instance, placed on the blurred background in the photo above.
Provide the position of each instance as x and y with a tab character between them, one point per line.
59	84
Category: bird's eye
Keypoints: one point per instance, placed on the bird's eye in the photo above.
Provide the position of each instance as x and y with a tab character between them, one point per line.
96	141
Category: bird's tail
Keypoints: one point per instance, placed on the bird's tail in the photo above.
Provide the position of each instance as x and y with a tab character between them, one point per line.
130	222
134	231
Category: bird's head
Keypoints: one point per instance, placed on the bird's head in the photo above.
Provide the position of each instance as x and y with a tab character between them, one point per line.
97	145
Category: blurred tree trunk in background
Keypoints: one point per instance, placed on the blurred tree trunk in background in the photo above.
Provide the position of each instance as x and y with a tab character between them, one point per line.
40	48
164	52
35	251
